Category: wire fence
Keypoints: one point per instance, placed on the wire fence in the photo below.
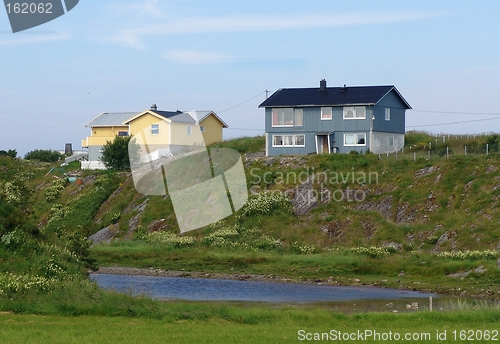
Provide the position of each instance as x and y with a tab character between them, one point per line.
441	152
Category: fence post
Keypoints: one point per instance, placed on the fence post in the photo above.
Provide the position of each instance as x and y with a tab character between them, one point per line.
465	150
486	149
447	152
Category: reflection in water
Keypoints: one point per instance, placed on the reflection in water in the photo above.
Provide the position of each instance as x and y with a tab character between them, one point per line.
230	290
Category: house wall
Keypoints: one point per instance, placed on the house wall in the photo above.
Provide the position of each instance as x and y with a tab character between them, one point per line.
398	110
100	135
180	135
381	140
142	126
312	125
213	130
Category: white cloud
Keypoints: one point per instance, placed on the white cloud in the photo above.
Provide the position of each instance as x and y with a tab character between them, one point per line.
22	39
196	57
133	37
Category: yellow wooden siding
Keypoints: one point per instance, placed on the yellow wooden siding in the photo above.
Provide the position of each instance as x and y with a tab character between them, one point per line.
142	126
101	135
180	135
213	130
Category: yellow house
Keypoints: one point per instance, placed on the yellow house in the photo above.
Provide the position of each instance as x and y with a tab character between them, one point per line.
164	131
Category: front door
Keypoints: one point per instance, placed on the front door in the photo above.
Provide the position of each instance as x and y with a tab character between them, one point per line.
322	144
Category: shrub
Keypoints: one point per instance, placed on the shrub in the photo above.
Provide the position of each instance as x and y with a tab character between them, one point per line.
12	153
373	251
115	154
54	191
266	203
473	255
44	155
169	239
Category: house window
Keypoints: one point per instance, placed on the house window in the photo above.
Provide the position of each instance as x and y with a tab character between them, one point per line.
300	140
326	113
391	140
288	140
387	114
299	117
355	139
202	129
155	129
189	130
287	117
123	133
354	112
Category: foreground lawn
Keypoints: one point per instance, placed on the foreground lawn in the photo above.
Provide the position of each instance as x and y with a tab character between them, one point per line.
282	326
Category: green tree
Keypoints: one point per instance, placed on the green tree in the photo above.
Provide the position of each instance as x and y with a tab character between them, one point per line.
115	154
10	153
44	155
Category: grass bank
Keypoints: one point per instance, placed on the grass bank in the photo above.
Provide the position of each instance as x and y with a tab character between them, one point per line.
250	325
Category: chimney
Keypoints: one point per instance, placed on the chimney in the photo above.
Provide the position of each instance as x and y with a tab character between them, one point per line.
322	85
153	107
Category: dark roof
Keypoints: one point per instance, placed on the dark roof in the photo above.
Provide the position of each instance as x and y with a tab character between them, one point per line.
176	116
330	96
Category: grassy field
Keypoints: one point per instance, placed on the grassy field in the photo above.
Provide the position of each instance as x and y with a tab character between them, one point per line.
267	326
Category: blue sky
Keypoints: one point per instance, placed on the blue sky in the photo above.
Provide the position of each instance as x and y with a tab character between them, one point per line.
104	56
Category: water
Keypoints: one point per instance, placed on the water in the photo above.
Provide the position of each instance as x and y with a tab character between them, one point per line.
206	289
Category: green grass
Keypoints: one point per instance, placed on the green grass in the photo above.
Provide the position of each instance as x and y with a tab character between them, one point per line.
231	325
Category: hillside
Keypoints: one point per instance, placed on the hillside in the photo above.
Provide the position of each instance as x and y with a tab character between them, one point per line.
360	215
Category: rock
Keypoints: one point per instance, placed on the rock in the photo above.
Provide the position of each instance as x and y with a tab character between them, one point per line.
393	245
425	171
408	306
401	274
305	198
104	235
390	304
480	269
414	305
490	169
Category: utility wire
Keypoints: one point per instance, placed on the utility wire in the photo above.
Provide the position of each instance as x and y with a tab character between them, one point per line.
246	101
449	123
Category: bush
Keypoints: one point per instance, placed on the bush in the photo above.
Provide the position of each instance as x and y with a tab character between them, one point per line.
12	153
44	155
115	154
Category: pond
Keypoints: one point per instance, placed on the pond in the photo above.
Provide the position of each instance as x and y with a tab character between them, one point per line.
207	289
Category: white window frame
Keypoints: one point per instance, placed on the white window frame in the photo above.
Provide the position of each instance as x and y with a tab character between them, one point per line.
293	139
155	129
355	110
387	114
281	118
357	136
331	113
189	130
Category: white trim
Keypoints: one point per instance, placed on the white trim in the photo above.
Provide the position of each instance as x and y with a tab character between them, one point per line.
331	113
387	114
356	144
294	140
156	124
354	109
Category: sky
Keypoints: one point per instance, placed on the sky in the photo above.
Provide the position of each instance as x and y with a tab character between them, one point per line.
124	55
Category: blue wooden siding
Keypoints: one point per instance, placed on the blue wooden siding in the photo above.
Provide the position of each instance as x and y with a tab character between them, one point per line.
398	108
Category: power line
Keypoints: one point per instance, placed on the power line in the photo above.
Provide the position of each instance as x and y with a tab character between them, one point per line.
252	129
450	123
246	101
459	112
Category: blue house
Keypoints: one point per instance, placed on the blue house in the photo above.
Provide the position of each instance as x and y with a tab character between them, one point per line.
335	120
